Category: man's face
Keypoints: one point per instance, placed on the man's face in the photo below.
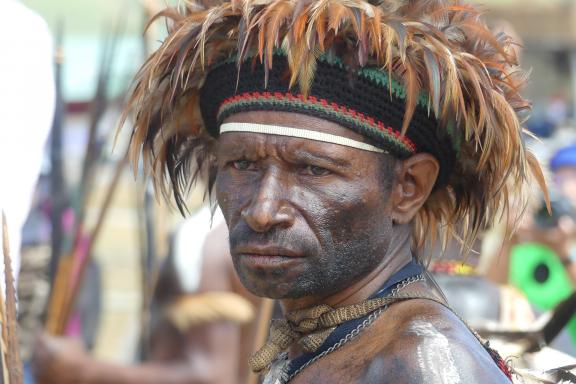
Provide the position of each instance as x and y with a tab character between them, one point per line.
305	218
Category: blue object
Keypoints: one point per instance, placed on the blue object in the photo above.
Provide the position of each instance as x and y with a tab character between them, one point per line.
28	376
541	128
565	157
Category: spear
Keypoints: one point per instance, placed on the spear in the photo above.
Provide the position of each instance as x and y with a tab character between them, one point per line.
57	181
85	251
93	147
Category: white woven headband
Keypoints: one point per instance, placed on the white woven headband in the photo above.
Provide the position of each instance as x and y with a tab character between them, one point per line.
300	133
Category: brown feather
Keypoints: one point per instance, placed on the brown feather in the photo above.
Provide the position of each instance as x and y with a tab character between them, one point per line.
338	16
319	24
434	79
411	82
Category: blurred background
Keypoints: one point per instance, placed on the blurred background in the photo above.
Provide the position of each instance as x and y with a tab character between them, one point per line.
99	47
88	206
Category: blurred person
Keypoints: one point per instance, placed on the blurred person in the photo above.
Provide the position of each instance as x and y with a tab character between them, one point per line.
540	258
563	167
336	151
202	328
547	123
557	230
27	101
558	234
557	110
554	229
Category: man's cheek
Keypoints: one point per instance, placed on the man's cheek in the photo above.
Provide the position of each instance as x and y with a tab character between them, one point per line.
346	221
229	197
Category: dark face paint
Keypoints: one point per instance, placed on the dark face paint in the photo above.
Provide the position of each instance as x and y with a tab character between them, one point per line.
305	218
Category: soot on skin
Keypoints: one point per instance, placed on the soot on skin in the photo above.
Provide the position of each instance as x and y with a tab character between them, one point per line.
339	223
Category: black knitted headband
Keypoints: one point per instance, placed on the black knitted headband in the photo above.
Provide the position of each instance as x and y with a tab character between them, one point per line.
365	101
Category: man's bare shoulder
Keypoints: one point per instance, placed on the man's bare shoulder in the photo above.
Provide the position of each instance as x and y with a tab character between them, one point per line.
421	341
418	341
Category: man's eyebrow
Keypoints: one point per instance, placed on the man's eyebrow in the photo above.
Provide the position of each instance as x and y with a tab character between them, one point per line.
308	155
230	150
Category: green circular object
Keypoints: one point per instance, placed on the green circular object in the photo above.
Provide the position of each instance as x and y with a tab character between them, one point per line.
537	271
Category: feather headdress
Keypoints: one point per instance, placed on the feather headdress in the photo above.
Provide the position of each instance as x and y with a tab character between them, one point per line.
440	52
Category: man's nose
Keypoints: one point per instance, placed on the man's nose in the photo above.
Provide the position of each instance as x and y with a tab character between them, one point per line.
269	207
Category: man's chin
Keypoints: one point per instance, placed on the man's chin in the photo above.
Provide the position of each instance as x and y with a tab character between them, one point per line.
276	291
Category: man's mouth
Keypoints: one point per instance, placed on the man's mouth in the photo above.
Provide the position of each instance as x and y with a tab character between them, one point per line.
266	256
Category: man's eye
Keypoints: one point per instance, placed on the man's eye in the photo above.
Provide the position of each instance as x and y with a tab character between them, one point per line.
243	165
314	170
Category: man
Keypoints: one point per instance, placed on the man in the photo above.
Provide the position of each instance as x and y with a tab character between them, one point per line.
556	231
340	137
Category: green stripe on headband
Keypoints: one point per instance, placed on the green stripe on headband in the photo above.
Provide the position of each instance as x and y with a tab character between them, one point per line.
376	75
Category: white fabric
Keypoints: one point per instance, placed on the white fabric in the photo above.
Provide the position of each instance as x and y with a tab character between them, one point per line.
300	133
189	243
27	100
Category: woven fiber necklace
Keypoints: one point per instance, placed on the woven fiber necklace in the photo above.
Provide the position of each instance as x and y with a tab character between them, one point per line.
279	372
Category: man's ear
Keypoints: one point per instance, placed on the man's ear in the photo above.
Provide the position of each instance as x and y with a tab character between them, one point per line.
415	178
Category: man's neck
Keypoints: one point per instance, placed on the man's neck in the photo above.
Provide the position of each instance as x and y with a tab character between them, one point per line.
397	256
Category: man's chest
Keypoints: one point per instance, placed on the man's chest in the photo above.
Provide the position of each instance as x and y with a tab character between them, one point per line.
359	361
351	370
